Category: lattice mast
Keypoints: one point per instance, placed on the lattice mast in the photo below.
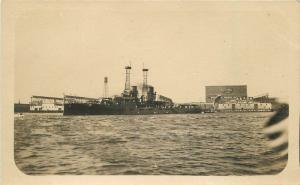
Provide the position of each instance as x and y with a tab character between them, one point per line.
127	81
145	83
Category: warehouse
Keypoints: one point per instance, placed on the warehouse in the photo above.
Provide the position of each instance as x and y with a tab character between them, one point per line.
46	104
227	92
244	107
234	98
21	107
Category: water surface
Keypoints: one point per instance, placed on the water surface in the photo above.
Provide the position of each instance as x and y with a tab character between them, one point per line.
183	144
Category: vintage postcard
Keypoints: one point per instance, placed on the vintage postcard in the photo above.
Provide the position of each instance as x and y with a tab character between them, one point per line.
150	92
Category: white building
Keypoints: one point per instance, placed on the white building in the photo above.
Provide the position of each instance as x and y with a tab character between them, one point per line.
46	104
247	106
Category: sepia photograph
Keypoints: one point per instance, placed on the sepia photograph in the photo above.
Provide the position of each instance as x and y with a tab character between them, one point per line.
151	88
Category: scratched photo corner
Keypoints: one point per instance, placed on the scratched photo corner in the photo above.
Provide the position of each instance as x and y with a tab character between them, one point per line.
150	88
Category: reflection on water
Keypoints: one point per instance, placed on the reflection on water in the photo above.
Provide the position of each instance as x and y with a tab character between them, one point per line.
186	144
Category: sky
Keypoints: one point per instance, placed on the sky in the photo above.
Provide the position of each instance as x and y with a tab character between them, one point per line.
70	49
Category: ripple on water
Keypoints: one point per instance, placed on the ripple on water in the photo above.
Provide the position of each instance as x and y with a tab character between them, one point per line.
191	144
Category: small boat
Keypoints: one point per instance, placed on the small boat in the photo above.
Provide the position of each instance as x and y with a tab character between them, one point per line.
19	115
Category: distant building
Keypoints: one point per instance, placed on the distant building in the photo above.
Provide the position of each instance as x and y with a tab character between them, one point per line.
164	99
244	106
227	92
21	107
79	99
264	98
46	104
234	99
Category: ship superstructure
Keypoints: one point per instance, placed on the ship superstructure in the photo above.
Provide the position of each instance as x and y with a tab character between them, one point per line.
133	100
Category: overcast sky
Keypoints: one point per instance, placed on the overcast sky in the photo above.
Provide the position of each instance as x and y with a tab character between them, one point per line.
69	49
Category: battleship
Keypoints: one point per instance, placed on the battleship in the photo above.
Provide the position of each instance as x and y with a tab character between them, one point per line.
134	100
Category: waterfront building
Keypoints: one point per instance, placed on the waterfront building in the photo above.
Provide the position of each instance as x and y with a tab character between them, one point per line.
21	107
234	98
46	104
227	92
244	107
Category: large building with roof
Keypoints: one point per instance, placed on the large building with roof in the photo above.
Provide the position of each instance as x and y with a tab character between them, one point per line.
234	98
227	92
46	104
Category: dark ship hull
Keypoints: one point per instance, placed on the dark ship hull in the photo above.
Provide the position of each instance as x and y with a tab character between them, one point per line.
100	109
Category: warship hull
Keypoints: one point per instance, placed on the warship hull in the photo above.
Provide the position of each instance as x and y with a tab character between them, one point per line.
100	109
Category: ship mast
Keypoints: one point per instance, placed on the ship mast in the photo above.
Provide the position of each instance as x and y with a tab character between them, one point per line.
127	81
145	83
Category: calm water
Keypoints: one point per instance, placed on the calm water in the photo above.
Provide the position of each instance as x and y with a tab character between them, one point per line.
190	144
